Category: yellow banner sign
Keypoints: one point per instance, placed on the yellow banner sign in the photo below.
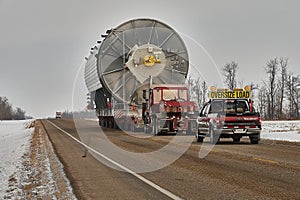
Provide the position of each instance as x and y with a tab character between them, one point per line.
230	95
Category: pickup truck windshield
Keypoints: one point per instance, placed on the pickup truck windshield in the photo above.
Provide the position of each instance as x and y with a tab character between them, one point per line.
229	106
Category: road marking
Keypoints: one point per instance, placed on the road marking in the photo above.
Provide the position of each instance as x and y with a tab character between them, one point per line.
148	182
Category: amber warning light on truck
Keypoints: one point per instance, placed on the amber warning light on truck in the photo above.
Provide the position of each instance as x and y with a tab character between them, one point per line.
230	94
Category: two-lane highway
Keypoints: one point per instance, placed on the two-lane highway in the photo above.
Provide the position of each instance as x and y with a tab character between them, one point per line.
269	170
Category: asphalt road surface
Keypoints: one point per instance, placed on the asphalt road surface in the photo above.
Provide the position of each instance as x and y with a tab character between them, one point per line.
269	170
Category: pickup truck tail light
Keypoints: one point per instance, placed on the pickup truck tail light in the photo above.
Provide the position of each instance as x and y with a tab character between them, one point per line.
259	121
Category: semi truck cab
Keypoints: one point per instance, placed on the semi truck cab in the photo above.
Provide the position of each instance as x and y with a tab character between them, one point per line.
165	108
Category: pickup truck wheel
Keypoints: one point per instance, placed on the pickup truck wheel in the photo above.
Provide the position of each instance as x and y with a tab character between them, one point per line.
214	138
254	139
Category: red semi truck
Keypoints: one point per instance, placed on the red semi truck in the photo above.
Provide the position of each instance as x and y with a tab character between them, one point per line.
163	109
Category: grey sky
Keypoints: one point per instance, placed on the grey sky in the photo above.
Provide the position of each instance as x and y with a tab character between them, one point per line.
43	43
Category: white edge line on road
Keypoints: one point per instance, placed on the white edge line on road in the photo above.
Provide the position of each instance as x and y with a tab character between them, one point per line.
150	183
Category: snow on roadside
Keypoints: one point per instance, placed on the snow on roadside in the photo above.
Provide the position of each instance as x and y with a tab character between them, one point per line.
14	142
29	167
281	130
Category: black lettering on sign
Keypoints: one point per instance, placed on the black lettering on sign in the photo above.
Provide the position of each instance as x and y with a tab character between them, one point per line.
230	95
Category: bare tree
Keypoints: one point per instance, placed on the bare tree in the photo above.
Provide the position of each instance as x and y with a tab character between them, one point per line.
204	91
229	71
197	91
283	62
190	82
262	101
253	87
293	95
271	70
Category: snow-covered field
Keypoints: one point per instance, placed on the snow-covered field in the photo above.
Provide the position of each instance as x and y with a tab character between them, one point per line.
14	142
29	168
281	130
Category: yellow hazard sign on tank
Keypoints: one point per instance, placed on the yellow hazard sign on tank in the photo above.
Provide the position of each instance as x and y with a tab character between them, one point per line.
236	93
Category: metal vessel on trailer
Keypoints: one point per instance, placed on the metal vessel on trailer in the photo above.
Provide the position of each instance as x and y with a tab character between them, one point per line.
136	76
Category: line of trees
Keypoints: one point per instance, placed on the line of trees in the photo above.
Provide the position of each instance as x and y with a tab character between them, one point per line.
8	113
280	92
277	97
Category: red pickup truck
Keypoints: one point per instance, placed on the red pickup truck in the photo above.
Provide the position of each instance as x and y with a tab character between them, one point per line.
229	114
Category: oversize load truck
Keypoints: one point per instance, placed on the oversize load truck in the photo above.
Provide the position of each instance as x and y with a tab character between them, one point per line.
229	114
137	79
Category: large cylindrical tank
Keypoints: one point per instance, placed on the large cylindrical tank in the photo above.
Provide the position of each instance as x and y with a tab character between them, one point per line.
131	53
91	77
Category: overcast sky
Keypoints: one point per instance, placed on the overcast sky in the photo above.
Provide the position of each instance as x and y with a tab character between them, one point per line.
43	43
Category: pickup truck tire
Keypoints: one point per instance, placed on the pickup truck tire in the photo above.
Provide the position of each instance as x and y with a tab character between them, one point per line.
254	139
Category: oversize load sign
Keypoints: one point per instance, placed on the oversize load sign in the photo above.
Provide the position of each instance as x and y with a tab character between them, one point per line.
230	95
